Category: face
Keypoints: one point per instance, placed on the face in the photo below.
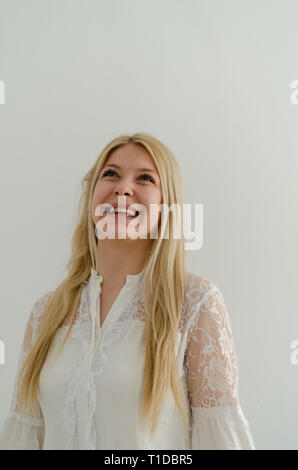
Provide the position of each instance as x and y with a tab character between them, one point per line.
129	179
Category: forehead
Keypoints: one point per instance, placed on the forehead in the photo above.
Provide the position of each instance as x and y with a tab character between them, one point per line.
134	156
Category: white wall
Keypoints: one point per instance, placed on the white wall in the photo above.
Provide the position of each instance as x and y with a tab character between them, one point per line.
212	80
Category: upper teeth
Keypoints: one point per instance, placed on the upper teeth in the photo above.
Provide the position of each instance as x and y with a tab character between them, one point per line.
128	211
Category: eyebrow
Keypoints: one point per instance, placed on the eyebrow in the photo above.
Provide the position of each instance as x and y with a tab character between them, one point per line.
139	169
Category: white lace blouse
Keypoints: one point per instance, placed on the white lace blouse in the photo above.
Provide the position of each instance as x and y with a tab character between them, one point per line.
90	394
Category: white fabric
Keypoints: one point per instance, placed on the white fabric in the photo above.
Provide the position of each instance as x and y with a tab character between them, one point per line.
90	394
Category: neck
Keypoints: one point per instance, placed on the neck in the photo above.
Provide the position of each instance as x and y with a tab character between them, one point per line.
117	258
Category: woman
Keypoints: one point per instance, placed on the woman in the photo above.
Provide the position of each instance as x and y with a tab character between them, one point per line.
130	351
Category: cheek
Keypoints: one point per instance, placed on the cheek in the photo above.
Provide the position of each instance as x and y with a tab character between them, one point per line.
99	197
151	197
153	214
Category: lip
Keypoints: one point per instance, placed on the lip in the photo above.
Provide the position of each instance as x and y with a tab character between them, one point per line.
121	214
122	206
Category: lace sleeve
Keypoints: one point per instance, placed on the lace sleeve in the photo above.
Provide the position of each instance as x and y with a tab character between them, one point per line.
212	376
19	430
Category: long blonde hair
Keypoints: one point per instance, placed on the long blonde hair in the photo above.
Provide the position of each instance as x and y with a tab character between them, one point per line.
163	293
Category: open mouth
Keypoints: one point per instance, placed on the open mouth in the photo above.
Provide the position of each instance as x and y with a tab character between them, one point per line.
131	214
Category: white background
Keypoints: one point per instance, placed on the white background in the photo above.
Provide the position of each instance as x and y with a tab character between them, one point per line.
209	78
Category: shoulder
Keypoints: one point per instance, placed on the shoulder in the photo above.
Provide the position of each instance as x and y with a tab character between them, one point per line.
201	295
41	303
38	309
198	288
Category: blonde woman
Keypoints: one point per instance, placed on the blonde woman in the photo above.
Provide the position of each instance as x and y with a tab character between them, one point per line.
130	351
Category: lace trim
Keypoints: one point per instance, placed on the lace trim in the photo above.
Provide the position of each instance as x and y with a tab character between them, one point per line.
26	419
28	341
210	358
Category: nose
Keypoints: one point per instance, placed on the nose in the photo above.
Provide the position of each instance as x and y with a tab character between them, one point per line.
122	189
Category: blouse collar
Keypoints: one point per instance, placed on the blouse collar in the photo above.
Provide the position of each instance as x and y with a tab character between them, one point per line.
131	279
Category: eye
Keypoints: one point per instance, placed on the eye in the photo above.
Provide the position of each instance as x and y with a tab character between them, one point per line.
144	175
108	171
148	176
